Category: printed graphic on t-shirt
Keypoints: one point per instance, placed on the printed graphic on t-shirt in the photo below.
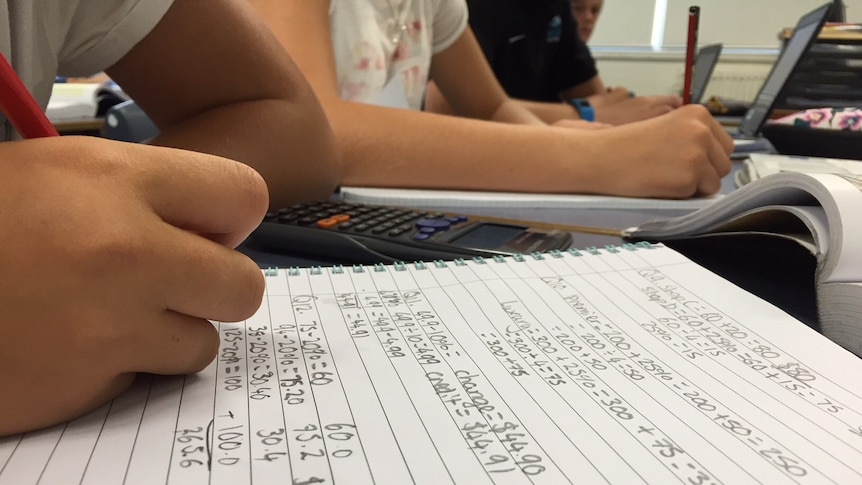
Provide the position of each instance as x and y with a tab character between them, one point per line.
376	61
555	30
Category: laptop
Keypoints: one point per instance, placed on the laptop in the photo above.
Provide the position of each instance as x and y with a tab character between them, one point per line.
748	136
704	65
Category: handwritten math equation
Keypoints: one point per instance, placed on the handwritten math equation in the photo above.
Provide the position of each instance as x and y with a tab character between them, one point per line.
481	373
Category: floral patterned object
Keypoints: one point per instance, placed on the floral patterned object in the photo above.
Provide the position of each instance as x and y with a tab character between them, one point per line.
847	119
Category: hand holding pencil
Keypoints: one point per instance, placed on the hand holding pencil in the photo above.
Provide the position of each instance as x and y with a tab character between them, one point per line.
115	259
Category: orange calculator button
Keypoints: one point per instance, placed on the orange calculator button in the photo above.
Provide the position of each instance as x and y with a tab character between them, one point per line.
327	223
339	218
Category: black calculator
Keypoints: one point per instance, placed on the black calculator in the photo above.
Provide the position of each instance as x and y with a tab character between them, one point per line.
344	233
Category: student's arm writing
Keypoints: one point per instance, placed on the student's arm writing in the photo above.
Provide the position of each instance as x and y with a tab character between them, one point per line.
613	107
388	147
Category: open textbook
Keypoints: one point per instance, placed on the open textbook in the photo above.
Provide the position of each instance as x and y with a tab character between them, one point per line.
759	165
622	365
784	229
461	200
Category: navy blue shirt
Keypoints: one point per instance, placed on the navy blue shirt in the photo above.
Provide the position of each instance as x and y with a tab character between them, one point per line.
532	46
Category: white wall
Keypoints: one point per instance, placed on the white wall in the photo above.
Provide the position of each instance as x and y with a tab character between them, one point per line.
662	74
623	41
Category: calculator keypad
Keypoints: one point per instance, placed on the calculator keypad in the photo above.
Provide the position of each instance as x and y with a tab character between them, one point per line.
360	219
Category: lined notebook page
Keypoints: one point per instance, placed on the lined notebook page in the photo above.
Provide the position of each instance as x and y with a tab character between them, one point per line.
623	365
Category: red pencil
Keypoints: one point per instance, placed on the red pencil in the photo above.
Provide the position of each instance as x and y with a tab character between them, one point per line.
690	52
19	107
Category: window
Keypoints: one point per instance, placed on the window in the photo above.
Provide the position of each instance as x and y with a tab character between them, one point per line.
739	24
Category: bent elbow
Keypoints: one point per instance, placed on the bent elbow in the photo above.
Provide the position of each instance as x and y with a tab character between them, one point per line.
310	167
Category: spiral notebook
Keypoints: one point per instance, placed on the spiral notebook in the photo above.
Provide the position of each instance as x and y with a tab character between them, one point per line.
624	364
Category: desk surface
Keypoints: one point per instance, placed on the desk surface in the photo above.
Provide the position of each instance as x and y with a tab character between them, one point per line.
90	125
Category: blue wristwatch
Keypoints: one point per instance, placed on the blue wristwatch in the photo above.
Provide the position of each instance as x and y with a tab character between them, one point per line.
584	109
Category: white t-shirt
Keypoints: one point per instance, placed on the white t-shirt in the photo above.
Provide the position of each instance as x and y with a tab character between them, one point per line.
376	40
46	38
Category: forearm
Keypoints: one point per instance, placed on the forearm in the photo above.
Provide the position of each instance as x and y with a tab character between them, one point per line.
436	151
234	92
515	112
288	142
550	112
509	111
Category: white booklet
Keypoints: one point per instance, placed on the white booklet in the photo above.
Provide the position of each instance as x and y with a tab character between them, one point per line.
73	102
621	365
458	199
759	165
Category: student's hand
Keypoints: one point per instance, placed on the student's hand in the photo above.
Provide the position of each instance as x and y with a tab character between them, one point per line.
681	154
636	109
113	257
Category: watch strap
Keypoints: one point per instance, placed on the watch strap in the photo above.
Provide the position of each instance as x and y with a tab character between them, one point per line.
584	108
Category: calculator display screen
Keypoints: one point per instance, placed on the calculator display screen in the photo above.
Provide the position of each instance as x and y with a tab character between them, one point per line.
488	236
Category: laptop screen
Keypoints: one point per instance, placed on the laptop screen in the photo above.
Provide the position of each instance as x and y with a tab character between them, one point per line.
803	35
707	58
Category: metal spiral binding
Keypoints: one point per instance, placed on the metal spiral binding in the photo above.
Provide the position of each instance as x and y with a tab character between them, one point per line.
479	260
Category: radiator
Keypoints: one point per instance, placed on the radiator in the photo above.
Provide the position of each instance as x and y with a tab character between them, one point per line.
739	83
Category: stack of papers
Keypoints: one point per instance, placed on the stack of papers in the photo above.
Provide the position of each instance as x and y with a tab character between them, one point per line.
72	102
442	199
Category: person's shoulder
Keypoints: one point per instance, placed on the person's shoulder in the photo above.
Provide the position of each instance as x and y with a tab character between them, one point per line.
101	33
51	15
